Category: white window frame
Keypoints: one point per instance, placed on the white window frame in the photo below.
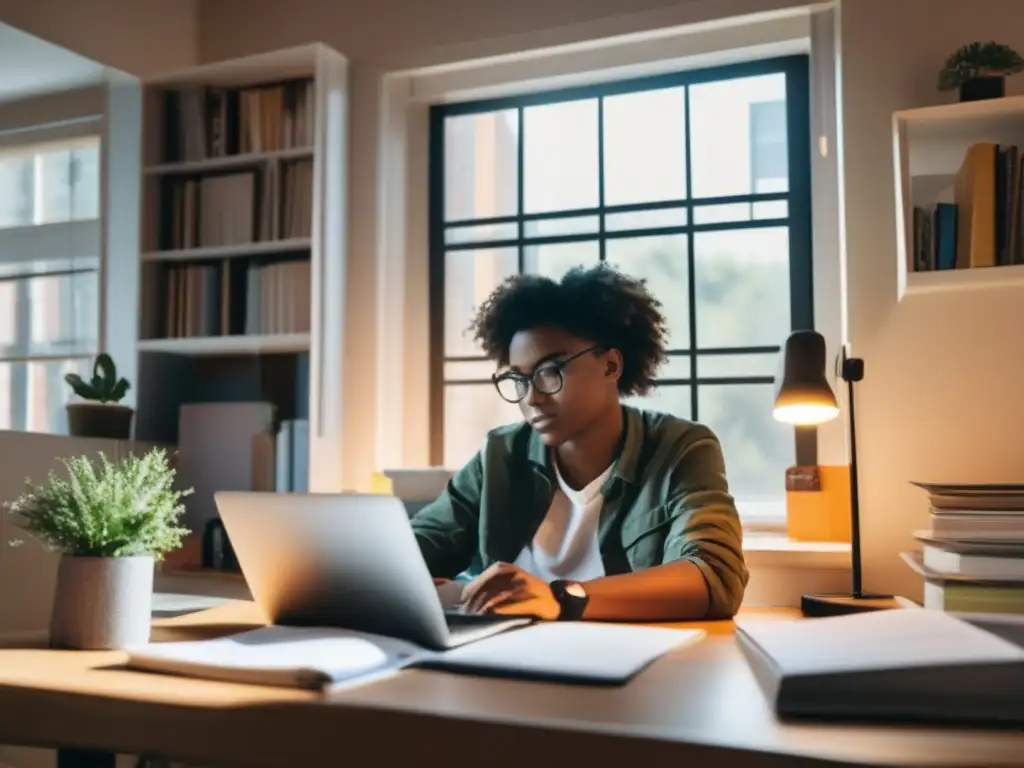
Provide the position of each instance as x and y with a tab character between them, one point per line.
402	438
38	241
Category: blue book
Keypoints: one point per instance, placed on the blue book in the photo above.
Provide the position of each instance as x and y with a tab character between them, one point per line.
945	236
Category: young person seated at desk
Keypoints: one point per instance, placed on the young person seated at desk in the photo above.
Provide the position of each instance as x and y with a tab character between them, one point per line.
588	509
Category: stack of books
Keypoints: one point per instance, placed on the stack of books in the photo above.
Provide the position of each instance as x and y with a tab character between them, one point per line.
972	559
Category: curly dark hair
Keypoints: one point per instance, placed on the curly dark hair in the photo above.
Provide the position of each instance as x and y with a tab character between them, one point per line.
598	304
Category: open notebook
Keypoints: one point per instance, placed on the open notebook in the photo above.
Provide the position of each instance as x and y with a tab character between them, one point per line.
582	652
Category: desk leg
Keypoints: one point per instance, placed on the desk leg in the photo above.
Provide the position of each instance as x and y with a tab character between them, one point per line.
85	758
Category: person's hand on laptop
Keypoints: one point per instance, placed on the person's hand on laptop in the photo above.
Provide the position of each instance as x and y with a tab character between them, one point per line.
508	589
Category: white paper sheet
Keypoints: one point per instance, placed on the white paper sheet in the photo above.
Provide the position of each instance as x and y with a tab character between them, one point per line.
588	652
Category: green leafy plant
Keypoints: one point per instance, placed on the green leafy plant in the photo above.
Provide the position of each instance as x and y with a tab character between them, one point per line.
103	509
978	60
105	386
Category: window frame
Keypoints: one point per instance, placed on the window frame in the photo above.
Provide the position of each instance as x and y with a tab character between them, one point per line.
75	233
799	219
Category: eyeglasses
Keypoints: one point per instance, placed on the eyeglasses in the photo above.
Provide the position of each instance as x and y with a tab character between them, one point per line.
547	379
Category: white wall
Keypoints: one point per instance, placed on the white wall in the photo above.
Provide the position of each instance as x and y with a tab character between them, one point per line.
943	395
71	104
141	37
404	34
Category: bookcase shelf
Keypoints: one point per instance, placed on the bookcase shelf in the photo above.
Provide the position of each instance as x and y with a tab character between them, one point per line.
231	251
243	160
242	263
249	344
959	218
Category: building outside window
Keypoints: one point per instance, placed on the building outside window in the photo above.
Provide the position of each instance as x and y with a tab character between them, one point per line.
49	275
697	181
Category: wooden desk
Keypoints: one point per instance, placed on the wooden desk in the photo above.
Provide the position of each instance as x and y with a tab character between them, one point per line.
697	706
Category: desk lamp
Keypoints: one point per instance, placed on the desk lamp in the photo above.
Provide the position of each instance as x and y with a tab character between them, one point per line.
803	397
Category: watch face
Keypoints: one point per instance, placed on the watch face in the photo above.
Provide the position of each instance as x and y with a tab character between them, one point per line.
575	590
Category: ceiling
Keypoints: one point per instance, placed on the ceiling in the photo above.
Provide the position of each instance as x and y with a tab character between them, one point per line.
30	66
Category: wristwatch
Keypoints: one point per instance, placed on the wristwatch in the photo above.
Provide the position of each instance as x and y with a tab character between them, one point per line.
572	598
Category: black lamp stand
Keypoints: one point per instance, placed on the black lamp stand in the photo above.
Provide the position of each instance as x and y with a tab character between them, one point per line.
856	601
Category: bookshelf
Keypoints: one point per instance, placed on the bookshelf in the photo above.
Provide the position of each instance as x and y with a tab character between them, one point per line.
966	235
242	259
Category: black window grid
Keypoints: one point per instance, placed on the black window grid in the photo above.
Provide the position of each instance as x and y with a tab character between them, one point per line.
797	220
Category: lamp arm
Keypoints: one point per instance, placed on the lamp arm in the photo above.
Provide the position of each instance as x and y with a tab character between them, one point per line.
852	370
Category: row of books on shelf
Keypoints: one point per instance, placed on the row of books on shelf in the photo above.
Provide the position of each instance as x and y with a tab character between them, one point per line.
204	121
235	297
239	208
972	558
978	220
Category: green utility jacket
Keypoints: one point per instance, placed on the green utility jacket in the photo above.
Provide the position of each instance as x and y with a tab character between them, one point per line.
666	499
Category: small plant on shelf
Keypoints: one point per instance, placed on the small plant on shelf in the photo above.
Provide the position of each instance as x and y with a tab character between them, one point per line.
105	386
99	413
980	70
110	522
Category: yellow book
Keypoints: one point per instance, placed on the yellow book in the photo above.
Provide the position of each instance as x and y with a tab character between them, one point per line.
975	191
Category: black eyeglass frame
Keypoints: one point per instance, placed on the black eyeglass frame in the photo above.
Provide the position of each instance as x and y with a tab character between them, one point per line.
530	379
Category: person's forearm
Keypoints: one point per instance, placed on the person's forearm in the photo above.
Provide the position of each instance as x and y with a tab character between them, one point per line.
675	591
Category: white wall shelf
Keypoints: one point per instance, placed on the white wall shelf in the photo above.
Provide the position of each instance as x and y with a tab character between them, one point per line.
965	279
245	160
929	145
198	346
231	251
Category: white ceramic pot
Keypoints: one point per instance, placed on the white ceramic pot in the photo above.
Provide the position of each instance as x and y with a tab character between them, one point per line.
102	602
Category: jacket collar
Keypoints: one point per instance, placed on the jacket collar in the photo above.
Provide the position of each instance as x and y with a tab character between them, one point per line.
626	463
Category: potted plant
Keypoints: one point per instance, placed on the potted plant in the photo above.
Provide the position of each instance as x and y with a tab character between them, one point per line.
99	415
110	522
980	70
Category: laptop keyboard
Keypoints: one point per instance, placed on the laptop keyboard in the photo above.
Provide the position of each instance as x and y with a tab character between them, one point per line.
458	619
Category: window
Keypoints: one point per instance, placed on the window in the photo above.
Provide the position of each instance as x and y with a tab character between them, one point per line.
697	181
49	277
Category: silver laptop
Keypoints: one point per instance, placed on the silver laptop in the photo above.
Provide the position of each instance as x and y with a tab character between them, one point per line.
344	560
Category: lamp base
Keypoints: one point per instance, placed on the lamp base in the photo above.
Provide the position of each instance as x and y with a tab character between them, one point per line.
839	604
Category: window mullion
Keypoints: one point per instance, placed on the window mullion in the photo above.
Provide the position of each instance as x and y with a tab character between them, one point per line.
600	179
19	372
691	283
521	226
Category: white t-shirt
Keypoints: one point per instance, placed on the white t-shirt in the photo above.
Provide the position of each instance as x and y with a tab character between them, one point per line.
565	545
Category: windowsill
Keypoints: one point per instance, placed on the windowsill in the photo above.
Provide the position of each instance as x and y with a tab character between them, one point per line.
776	550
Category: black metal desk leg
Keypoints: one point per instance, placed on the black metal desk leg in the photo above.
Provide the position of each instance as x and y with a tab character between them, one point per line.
85	758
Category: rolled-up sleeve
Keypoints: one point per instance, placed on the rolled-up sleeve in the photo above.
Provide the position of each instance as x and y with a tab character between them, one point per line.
448	528
705	528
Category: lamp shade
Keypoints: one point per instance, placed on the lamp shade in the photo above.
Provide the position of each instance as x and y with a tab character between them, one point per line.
802	393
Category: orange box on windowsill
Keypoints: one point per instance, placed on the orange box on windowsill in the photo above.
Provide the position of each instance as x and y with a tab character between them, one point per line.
818	503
